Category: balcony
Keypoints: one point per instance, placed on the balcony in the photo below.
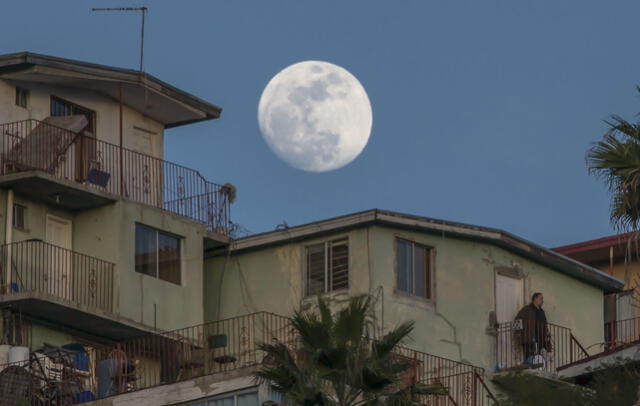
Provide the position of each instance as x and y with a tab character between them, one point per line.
222	346
53	285
510	348
622	333
232	345
74	171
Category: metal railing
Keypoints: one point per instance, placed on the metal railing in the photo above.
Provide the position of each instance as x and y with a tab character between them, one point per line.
533	345
463	389
188	353
40	267
226	345
621	332
231	344
34	145
462	381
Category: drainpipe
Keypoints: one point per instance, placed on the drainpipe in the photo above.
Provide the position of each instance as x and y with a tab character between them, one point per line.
8	238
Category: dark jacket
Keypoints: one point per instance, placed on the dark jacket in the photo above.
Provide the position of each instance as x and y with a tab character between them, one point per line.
535	330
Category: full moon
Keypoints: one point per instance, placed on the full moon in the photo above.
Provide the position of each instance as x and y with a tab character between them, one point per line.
315	116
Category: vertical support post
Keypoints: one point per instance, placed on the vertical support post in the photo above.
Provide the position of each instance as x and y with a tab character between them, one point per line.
121	141
8	239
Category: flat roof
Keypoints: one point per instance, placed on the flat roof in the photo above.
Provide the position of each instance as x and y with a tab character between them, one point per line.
597	243
600	250
493	236
141	91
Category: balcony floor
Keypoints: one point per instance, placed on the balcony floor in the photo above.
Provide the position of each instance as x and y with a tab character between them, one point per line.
48	189
78	319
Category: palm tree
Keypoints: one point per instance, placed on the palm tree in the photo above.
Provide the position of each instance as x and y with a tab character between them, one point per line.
338	361
616	160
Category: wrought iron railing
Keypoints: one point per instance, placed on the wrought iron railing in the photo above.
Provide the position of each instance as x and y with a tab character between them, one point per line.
534	345
225	345
621	332
169	357
39	267
233	343
463	382
34	145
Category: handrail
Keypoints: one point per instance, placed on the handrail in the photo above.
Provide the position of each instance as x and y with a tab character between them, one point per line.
537	346
107	167
40	267
575	341
486	388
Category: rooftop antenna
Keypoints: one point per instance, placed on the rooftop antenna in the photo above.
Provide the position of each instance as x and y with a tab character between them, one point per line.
143	11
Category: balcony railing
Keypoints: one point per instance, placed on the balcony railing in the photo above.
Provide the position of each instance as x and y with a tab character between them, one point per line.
534	347
621	332
46	269
35	145
464	382
233	343
222	346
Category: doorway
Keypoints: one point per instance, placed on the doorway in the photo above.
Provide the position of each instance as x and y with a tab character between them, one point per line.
509	300
58	256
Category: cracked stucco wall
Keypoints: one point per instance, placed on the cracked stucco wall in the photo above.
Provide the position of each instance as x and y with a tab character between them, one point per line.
455	324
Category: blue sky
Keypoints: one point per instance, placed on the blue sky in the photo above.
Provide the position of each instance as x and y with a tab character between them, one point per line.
482	110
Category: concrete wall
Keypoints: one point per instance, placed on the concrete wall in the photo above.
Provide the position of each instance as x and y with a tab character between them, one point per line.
454	325
149	140
108	233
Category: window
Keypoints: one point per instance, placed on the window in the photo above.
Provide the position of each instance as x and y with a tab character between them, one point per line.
19	218
238	399
21	97
157	254
60	107
85	150
413	268
327	267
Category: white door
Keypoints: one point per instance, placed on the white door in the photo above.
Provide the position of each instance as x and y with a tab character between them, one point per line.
58	257
509	300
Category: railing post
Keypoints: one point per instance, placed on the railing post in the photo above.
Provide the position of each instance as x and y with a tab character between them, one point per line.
121	142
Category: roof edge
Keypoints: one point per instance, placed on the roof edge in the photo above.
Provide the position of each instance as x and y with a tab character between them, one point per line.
493	236
144	79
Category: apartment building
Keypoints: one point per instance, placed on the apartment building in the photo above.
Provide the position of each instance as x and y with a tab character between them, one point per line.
120	284
463	285
103	238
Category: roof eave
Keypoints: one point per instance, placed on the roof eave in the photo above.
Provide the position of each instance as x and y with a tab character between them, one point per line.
496	237
23	60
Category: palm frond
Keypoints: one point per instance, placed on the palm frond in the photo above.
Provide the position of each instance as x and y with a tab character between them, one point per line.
392	339
615	159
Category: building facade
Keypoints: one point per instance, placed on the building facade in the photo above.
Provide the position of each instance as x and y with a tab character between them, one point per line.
463	285
120	282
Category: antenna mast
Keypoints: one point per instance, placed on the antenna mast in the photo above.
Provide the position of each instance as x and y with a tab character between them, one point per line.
143	11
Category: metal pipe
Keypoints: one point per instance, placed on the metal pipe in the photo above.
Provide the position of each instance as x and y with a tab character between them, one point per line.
121	141
8	238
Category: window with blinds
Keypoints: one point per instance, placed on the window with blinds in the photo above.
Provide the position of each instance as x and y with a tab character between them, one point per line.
413	268
327	267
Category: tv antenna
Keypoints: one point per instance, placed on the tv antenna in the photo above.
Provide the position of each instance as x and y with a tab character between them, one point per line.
143	11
